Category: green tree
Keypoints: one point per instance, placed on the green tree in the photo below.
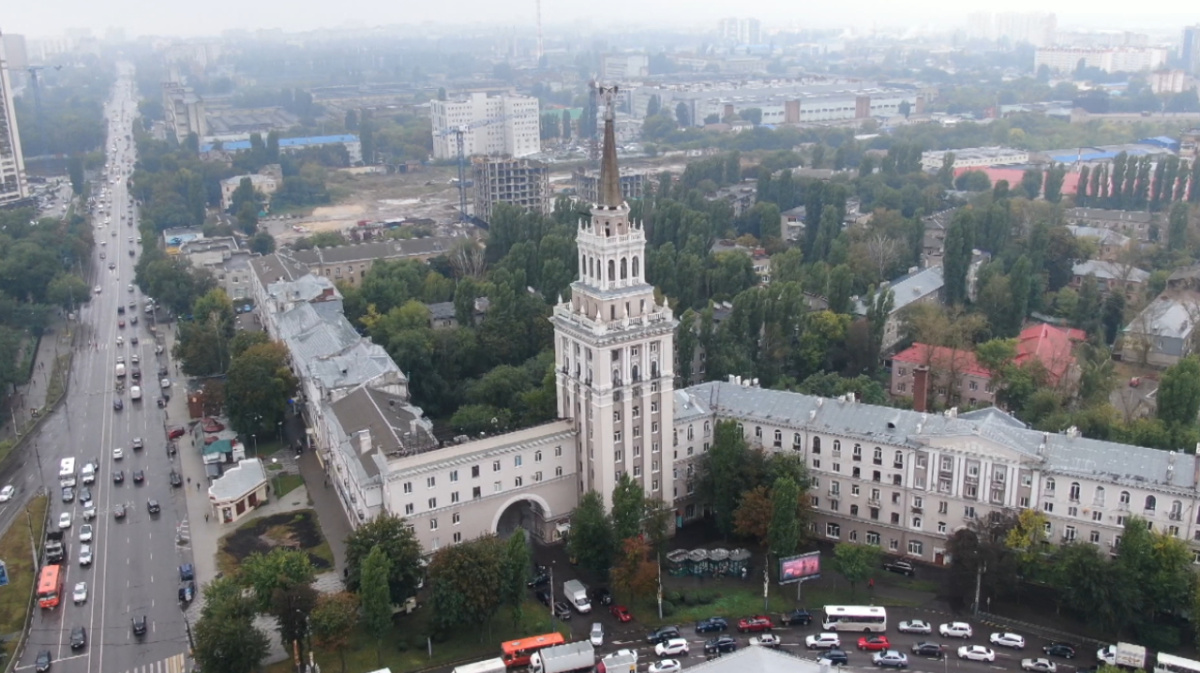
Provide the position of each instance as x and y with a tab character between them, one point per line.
257	388
1031	183
68	291
225	636
957	256
334	620
517	560
657	524
784	531
591	542
629	505
292	606
1177	227
203	343
75	171
467	583
683	115
566	124
399	543
1179	393
753	517
262	243
373	594
855	562
281	568
719	484
685	347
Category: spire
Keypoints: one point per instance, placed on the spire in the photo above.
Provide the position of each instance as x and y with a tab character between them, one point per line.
610	177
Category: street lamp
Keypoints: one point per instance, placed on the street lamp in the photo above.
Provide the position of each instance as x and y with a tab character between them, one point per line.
275	474
254	441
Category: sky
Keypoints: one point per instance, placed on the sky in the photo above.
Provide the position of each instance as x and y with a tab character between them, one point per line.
38	18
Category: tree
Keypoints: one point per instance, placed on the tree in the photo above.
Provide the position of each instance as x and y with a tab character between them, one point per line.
225	636
262	243
391	534
633	574
1028	539
466	583
591	541
258	386
1055	177
719	485
629	505
683	115
292	606
960	240
75	171
334	620
657	524
784	531
855	562
566	125
203	343
753	516
1177	227
373	593
281	568
68	291
653	106
517	560
1179	393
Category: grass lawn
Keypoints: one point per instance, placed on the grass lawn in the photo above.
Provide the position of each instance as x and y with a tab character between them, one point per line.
691	605
286	483
405	648
14	549
297	529
57	383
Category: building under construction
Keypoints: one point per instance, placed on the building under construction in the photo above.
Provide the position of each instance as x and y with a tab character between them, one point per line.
634	183
521	182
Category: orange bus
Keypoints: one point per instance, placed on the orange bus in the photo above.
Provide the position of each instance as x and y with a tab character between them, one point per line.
516	653
49	589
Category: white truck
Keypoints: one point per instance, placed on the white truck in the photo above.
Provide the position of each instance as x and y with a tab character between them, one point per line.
621	661
1125	655
577	656
66	472
490	666
576	594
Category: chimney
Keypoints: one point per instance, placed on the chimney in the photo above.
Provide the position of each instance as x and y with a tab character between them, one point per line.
920	388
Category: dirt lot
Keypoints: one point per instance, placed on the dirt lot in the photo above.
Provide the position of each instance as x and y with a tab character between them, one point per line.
297	530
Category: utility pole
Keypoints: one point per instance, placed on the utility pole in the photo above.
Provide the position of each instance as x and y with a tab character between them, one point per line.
979	583
552	627
659	558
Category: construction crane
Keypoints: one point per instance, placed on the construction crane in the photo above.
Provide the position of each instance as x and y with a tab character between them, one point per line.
459	132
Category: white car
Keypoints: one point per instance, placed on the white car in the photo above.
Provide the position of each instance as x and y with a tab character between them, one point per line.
89	512
64	520
666	666
118	453
956	630
80	594
597	635
1012	640
624	653
97	288
672	647
823	641
7	493
916	626
766	640
1039	665
85	532
85	555
890	658
976	653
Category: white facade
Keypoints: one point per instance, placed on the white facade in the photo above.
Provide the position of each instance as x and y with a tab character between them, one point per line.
503	124
12	163
1121	59
975	157
624	67
740	30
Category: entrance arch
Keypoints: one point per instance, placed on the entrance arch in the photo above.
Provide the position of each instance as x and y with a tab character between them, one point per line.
527	510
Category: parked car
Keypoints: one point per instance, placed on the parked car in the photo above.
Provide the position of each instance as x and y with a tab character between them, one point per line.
874	643
755	624
562	610
823	641
187	592
176	480
666	666
976	653
720	645
711	624
663	634
671	647
928	649
956	630
1039	665
64	520
600	596
916	626
890	659
1060	650
68	494
538	580
621	613
543	597
187	572
835	656
597	634
766	640
796	618
1010	640
900	566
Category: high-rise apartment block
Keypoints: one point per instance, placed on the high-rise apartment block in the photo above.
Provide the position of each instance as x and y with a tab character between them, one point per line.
503	124
12	163
520	182
1035	28
1190	52
184	111
740	30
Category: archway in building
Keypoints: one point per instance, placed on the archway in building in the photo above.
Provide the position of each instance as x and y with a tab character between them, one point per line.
527	511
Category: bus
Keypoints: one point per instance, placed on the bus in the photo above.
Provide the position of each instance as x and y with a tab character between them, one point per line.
864	618
66	472
1169	663
516	653
49	588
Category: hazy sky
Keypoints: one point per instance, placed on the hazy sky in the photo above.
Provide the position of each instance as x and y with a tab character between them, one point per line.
164	17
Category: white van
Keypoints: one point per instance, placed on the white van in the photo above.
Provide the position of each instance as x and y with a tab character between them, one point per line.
135	393
88	473
66	472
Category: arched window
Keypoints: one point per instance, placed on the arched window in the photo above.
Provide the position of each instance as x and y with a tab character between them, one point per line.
612	270
1150	503
637	268
624	268
691	433
1098	499
636	372
591	267
1124	497
778	436
1049	485
1074	491
1176	509
837	446
898	461
707	428
816	445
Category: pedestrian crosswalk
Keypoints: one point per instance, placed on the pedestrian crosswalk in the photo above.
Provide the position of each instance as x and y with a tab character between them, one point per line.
175	664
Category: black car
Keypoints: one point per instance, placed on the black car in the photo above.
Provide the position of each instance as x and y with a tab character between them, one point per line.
139	476
78	638
152	506
538	580
85	496
119	511
42	663
118	404
68	494
902	567
543	597
711	624
836	656
600	596
720	645
1060	650
134	340
139	626
663	634
187	572
187	592
118	476
176	480
926	649
796	618
562	610
136	374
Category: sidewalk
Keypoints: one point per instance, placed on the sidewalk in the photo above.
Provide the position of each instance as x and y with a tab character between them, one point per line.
31	395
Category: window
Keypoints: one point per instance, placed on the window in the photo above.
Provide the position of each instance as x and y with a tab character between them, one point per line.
1048	507
433	525
1094	537
896	518
654	408
796	443
433	503
878	458
816	445
853	510
918	502
408	487
833	530
857	452
456	518
835	488
637	470
758	432
916	547
916	522
454	497
654	427
537	456
497	487
1049	485
1150	503
616	416
617	436
947	464
779	438
474	470
893	544
430	482
453	475
1073	495
854	489
1097	516
476	492
495	466
941	527
457	538
558	451
1069	533
410	508
637	411
943	507
1072	511
558	471
1124	497
969	512
898	460
1098	497
873	538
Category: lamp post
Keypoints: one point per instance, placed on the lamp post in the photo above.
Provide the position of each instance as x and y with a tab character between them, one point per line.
254	442
275	474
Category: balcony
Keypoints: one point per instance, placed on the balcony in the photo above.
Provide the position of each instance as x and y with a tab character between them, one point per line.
874	502
917	509
835	492
1175	516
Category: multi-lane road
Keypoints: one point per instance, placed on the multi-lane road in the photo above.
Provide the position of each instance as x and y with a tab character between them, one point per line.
136	563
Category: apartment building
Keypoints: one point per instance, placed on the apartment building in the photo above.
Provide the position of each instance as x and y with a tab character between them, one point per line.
13	187
520	182
975	157
504	124
633	184
184	111
350	263
1116	59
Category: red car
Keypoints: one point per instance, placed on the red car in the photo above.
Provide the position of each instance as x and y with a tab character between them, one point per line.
621	613
755	624
176	433
874	643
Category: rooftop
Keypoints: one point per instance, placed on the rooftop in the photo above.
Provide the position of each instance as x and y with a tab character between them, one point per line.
1110	271
284	143
1171	316
759	660
1105	215
943	358
237	481
911	287
277	267
1049	345
1106	236
396	427
360	252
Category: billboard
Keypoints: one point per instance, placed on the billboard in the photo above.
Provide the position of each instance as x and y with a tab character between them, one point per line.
800	568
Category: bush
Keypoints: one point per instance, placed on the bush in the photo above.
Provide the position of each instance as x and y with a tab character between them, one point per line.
674	596
668	608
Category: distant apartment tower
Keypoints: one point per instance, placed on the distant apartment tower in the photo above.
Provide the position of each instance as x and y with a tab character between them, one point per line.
184	111
1190	53
740	30
503	124
521	182
1121	59
12	163
624	67
1035	28
587	184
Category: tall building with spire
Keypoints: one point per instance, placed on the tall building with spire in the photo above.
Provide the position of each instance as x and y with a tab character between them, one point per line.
613	347
12	162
